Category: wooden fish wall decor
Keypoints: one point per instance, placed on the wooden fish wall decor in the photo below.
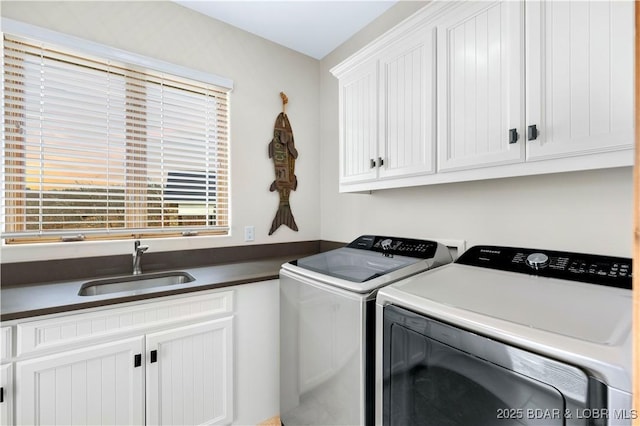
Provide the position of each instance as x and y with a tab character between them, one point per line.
283	151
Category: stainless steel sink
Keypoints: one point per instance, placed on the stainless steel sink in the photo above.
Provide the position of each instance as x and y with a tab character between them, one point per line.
134	282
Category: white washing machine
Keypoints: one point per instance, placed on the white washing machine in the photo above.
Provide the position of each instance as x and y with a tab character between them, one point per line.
327	327
507	336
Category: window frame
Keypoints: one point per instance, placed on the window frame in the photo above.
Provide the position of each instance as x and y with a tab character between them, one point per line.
60	40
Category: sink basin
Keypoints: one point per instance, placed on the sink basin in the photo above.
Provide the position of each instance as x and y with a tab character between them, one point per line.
134	282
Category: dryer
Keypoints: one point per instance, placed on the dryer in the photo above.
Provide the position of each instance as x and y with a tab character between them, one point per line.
507	336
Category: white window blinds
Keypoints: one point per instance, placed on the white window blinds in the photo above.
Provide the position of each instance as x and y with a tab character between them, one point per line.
97	148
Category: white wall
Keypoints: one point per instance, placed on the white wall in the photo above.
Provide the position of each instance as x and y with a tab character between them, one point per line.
260	70
581	211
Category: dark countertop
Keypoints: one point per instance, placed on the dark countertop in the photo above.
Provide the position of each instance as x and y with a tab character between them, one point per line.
47	298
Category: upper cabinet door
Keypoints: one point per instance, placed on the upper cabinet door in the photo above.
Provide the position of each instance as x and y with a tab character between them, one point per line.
579	77
407	105
481	86
358	124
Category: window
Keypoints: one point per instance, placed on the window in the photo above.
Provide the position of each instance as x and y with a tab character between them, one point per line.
100	148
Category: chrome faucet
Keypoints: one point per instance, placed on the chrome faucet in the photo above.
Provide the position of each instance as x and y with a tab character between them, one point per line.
137	256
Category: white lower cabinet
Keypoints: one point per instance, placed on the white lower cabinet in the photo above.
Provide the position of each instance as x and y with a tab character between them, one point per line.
101	384
189	374
165	362
6	394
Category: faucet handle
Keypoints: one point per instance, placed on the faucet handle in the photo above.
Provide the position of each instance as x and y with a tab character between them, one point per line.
138	248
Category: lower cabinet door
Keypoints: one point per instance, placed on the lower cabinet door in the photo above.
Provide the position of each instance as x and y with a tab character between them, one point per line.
6	395
103	384
190	374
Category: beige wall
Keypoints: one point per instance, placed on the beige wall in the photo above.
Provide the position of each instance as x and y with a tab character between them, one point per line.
260	70
581	211
587	211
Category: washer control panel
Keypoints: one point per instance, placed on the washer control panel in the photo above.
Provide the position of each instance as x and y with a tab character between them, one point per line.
589	268
394	246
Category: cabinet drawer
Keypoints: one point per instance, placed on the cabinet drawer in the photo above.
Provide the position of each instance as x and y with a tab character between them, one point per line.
66	330
6	344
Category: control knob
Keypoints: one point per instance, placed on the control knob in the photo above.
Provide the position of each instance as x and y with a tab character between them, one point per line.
386	244
538	260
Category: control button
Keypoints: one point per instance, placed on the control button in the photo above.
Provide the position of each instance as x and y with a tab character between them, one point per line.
537	260
558	262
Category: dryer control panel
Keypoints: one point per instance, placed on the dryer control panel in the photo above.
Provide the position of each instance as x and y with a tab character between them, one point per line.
589	268
391	246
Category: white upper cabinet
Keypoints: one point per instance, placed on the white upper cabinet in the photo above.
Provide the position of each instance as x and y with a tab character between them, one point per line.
358	132
387	107
477	90
481	86
407	106
579	77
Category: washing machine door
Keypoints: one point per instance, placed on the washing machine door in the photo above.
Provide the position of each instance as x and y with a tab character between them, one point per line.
436	374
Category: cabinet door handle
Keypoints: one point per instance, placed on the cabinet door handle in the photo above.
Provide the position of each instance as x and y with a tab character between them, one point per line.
154	356
372	163
380	161
137	360
1	394
513	135
532	132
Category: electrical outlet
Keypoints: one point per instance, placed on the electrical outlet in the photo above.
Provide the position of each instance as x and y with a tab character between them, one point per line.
249	233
